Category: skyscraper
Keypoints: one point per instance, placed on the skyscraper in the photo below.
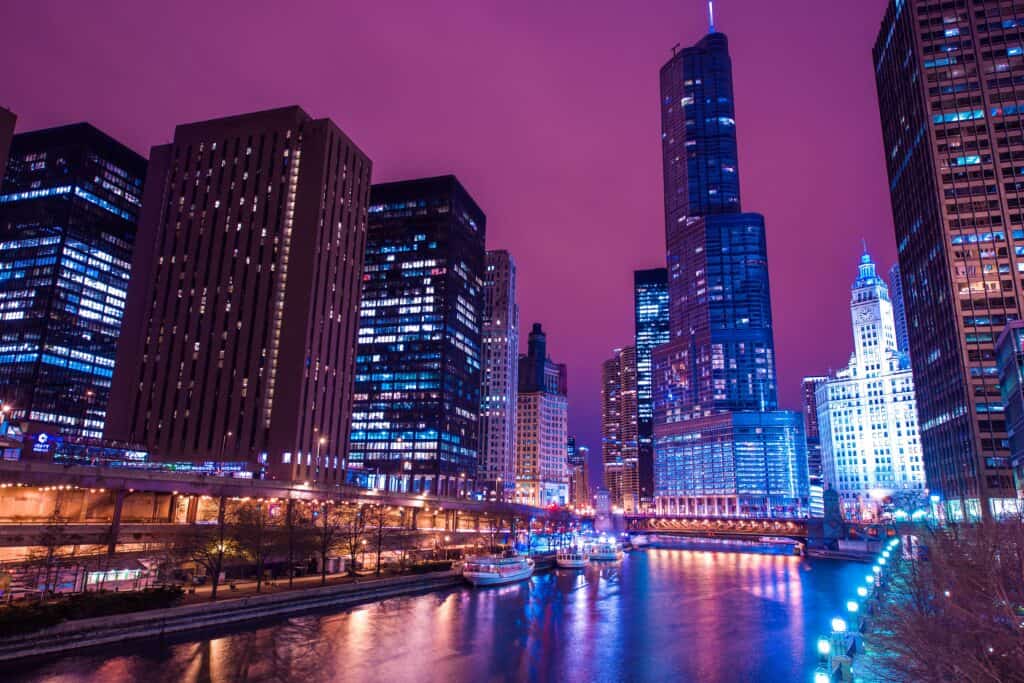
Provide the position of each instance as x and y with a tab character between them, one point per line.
899	311
7	120
242	314
619	428
1010	353
945	75
416	425
870	446
808	389
542	419
650	307
69	210
497	467
720	444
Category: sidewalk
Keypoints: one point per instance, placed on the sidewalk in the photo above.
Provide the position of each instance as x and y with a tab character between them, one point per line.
247	588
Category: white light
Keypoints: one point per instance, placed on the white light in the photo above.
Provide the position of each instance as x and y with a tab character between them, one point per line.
862	591
839	625
852	606
876	569
824	647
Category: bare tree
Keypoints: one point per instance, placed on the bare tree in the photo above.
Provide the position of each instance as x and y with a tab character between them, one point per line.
352	534
209	546
257	534
956	614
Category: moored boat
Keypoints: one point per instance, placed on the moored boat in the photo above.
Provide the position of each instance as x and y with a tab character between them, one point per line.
572	558
605	552
640	541
496	571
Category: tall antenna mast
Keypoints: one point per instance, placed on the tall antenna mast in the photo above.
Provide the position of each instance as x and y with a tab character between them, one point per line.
711	16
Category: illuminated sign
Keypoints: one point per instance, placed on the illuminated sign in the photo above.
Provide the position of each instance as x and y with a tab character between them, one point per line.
45	443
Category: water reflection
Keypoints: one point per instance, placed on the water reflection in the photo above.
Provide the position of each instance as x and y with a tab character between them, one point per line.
657	615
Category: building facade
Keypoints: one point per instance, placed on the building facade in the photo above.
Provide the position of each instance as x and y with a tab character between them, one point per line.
496	471
416	425
808	393
69	211
946	75
867	415
542	432
714	382
1010	354
619	428
899	310
650	315
242	314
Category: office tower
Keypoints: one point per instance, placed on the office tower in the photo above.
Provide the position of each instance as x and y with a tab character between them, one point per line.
721	446
870	445
7	120
416	425
619	428
69	211
899	311
808	389
650	307
243	309
1010	356
542	418
496	471
579	476
945	75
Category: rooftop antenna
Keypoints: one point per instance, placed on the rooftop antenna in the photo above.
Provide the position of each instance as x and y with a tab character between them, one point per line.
864	243
711	16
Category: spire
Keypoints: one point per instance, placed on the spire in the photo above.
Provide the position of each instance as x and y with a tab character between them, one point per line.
865	256
711	16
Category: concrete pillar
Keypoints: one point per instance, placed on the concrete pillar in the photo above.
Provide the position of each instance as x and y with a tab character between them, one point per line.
115	523
415	514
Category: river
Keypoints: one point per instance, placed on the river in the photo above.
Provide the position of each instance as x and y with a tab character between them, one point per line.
658	615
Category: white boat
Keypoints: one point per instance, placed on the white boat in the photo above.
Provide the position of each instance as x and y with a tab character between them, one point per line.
496	571
572	558
640	541
605	552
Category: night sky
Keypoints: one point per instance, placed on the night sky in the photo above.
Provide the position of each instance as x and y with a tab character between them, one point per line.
546	111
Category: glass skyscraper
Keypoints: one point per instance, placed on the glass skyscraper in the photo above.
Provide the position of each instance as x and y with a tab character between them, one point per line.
69	208
416	424
714	383
650	307
948	77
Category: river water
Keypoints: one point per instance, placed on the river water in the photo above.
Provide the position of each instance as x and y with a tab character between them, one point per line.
658	615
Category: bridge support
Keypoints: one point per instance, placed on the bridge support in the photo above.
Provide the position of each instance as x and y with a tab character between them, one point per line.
115	523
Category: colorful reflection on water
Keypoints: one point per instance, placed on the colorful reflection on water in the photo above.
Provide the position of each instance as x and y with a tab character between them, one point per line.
658	615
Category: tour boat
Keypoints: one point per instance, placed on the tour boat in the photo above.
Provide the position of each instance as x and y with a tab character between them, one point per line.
605	552
496	571
572	558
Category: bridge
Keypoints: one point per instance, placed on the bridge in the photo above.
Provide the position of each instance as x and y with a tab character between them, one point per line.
719	527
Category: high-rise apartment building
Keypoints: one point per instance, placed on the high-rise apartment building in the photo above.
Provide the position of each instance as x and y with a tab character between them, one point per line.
7	121
867	416
899	310
720	444
69	211
242	314
650	314
542	419
619	428
416	425
947	75
496	471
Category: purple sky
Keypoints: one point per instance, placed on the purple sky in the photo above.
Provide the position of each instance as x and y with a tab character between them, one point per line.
547	112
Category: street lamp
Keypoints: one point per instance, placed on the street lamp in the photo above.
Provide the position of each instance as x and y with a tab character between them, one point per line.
223	444
862	591
838	625
319	444
852	606
824	647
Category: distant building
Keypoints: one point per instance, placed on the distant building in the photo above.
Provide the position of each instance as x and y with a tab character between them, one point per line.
899	311
7	120
867	413
816	489
69	212
240	329
1010	354
945	74
650	312
619	434
579	495
496	470
721	446
418	369
542	418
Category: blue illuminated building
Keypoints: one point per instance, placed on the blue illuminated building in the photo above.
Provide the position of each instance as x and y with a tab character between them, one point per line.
68	212
415	425
650	298
721	446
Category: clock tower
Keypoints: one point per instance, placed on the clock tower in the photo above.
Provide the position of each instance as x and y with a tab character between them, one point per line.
874	326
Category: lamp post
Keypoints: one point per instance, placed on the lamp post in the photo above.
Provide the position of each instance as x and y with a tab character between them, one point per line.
319	444
223	444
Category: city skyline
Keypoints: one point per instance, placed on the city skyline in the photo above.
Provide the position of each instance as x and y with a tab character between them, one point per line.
546	89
